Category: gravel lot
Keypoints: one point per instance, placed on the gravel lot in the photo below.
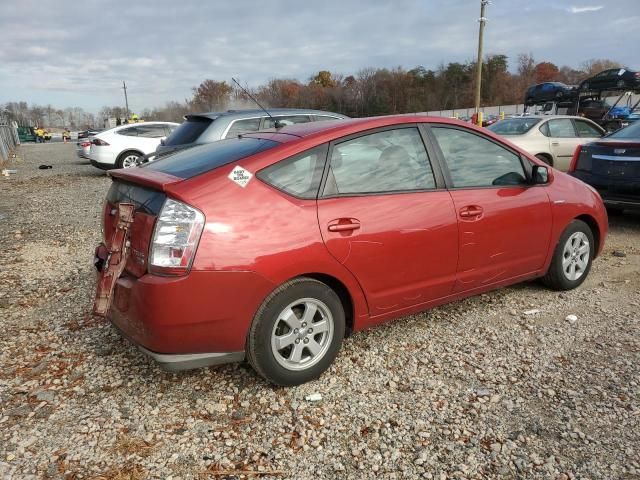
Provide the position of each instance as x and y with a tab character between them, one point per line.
477	389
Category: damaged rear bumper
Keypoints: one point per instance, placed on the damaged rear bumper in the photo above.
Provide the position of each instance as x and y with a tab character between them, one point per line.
186	361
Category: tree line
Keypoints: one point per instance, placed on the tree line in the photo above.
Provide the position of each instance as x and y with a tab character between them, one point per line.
370	91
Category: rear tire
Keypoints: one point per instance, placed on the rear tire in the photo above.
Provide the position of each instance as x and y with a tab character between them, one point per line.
572	257
296	333
128	159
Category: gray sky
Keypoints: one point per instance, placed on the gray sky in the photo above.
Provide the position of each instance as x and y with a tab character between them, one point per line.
78	53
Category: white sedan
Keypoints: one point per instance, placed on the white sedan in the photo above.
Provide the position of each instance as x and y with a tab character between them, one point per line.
552	139
121	147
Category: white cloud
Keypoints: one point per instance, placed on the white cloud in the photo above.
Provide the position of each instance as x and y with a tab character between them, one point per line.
585	9
80	56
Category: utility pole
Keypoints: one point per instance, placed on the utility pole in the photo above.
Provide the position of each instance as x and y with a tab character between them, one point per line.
482	20
126	101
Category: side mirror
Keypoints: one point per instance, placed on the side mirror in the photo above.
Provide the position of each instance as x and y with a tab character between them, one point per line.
162	140
540	175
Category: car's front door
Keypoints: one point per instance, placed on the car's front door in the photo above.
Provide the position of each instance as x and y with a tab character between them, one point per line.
385	215
504	222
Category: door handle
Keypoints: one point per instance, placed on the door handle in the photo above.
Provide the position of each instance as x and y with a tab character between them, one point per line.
471	211
555	144
343	225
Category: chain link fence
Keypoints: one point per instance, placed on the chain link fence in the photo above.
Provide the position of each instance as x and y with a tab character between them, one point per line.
8	138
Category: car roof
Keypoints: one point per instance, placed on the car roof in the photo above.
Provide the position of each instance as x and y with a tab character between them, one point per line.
346	127
242	113
549	117
127	125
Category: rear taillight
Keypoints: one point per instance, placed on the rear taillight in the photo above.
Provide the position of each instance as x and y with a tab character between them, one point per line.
175	238
574	159
85	144
99	142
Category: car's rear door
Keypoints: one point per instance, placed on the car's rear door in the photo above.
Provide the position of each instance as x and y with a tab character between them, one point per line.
385	215
587	131
504	222
564	140
149	136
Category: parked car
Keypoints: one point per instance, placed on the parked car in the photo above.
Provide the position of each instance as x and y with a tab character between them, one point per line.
490	120
88	133
612	166
548	91
272	246
83	147
210	127
612	79
552	139
123	146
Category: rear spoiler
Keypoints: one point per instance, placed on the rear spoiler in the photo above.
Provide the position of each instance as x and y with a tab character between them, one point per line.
149	178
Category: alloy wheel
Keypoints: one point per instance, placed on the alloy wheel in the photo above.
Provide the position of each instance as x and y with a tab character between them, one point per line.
130	161
576	256
302	334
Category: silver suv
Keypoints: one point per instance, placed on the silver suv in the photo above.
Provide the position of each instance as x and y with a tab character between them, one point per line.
210	127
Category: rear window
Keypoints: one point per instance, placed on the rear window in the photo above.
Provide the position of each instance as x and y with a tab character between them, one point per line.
514	126
632	132
201	159
188	131
299	175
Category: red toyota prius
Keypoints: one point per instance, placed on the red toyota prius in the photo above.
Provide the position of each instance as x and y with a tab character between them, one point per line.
272	246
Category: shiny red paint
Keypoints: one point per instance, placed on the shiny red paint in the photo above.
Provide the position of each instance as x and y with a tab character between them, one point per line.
394	254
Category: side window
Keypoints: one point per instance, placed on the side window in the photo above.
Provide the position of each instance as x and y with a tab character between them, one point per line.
287	120
243	126
561	128
323	118
151	131
475	161
128	132
388	161
585	129
299	175
544	129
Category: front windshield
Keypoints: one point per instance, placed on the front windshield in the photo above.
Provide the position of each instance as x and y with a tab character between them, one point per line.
631	132
514	126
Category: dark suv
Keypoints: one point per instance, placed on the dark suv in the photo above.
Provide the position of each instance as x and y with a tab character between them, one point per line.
210	127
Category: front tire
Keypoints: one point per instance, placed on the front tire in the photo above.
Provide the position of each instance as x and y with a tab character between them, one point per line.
296	333
572	257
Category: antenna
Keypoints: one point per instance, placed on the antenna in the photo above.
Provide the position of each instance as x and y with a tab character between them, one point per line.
276	123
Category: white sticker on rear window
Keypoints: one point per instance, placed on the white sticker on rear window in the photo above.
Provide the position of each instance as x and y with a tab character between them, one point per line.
240	176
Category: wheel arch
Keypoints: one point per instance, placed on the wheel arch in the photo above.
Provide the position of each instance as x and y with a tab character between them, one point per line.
595	230
127	150
343	293
546	155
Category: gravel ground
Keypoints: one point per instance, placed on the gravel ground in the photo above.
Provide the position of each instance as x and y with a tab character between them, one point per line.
476	389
